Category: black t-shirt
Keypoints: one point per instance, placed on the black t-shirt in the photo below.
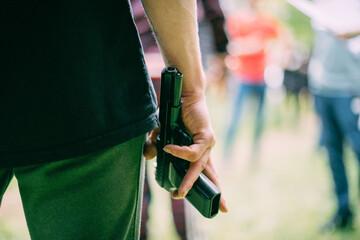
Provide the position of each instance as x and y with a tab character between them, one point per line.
73	79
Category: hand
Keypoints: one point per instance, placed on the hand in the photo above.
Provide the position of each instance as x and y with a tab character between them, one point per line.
348	35
196	120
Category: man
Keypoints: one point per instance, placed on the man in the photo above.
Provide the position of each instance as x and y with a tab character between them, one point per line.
77	102
334	79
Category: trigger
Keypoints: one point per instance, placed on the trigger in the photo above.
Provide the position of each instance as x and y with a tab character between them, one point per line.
185	138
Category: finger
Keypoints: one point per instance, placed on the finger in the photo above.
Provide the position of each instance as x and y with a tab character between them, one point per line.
210	173
175	195
192	174
150	149
190	153
223	205
154	134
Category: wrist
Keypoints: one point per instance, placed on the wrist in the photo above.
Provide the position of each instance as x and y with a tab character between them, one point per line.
194	85
193	98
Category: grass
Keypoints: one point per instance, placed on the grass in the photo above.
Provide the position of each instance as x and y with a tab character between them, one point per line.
287	195
12	220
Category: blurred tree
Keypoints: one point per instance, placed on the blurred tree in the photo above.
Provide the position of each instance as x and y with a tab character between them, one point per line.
297	22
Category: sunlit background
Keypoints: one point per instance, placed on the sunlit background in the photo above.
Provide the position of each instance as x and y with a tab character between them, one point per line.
284	192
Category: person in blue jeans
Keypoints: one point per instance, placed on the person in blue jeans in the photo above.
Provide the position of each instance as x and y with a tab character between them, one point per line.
246	92
339	123
253	36
334	80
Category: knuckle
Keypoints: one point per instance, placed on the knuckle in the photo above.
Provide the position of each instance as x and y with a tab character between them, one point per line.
210	136
213	140
192	156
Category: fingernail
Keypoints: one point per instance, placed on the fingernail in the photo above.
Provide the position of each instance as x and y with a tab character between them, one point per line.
166	149
175	195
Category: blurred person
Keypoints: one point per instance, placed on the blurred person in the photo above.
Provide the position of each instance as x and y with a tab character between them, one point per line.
77	103
251	48
296	85
334	80
213	42
185	216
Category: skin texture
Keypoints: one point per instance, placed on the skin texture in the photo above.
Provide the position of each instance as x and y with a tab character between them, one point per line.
176	30
349	35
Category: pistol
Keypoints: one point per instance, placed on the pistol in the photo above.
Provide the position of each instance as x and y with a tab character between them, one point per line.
170	171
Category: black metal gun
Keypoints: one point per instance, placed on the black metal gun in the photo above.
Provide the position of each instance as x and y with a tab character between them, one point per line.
170	170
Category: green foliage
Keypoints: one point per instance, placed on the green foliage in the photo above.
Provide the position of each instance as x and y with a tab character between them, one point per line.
299	24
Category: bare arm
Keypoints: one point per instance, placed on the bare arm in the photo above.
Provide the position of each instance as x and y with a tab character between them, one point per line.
175	25
349	35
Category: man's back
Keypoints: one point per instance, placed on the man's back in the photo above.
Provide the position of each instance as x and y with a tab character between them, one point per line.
73	80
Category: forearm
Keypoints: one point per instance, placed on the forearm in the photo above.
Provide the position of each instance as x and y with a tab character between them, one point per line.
175	25
349	35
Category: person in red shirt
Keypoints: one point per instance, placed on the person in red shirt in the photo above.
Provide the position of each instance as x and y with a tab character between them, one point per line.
250	32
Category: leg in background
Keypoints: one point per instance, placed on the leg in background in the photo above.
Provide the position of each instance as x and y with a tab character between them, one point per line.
145	209
179	217
333	138
234	123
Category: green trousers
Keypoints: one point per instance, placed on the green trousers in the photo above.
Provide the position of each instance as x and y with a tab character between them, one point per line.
97	196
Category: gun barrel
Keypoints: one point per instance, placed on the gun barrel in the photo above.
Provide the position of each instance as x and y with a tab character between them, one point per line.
177	88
